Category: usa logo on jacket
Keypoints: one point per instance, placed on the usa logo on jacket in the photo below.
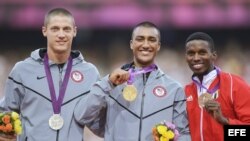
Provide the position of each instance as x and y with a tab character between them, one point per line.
159	91
77	76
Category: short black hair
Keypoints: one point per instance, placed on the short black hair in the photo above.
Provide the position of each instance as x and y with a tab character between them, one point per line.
147	24
201	36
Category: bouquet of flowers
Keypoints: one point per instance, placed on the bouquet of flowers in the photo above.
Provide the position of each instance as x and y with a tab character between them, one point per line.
165	131
10	124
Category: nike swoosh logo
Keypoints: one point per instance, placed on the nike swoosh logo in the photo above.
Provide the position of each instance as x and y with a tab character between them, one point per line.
38	78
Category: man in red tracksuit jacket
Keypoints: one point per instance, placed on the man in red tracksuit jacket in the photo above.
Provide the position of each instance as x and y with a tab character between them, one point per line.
214	98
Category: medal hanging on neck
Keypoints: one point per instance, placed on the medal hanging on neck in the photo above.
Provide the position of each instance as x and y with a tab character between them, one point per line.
56	121
130	92
203	98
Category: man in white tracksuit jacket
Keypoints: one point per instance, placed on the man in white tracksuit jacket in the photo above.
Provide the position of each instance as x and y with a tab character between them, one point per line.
29	88
158	98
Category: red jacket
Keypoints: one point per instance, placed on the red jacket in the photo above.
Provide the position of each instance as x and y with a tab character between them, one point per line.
234	98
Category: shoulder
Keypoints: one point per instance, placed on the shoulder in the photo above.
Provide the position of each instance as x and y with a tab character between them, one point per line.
22	64
237	80
20	68
171	81
189	86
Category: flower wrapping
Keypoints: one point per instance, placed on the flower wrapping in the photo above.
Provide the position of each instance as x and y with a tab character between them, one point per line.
10	123
165	131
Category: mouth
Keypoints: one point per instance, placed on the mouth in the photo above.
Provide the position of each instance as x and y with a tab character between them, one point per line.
61	42
197	66
145	52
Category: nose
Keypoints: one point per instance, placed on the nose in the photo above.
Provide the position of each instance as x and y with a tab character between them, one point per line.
196	57
61	34
146	43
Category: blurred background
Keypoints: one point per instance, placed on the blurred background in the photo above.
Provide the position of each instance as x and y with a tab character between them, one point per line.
104	31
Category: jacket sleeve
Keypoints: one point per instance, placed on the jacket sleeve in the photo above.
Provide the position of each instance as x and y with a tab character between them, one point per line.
240	99
13	92
180	116
91	109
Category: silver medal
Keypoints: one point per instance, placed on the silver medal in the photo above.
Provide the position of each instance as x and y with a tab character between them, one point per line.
56	122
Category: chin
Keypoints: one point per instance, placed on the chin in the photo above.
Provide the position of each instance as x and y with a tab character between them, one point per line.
199	72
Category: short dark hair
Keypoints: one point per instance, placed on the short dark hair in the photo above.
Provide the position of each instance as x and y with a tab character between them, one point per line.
57	11
201	36
147	24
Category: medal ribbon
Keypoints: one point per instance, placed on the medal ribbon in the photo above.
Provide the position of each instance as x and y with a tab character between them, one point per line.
134	72
56	103
211	91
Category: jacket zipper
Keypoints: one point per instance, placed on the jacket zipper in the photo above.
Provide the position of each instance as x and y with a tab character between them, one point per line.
60	76
201	119
142	106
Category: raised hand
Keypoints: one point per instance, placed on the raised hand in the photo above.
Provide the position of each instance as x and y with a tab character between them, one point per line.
213	108
119	76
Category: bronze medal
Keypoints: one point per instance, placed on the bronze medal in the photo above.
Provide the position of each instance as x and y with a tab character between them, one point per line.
204	98
129	93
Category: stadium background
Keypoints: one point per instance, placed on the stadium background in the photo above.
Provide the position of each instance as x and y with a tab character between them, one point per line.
104	31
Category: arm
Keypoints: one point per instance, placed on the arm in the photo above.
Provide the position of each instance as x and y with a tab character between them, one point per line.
180	116
11	100
91	109
241	102
240	105
13	92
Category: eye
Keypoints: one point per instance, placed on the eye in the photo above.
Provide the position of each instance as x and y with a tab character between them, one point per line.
152	39
67	29
203	52
190	53
139	39
54	29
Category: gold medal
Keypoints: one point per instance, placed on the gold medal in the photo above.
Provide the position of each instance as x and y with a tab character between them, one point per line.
129	93
204	98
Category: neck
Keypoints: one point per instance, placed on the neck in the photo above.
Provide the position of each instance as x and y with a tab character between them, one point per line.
58	58
138	65
200	76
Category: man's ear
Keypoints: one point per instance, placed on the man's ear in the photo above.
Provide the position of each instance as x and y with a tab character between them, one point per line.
131	47
44	31
214	55
159	46
75	31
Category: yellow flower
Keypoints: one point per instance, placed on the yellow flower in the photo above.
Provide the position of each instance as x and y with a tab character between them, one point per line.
161	129
14	115
18	130
17	122
165	132
170	134
163	138
17	127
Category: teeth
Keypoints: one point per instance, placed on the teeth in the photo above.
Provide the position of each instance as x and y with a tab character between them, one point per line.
145	52
197	66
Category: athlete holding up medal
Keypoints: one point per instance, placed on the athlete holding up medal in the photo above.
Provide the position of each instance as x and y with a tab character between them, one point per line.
138	95
214	98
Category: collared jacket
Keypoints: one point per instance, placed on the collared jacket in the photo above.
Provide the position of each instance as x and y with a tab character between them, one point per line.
234	99
158	98
27	92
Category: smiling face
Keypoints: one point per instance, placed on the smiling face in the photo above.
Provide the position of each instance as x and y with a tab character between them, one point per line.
60	31
145	44
200	57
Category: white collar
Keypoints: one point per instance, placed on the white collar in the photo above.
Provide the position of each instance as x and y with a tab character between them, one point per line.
208	78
